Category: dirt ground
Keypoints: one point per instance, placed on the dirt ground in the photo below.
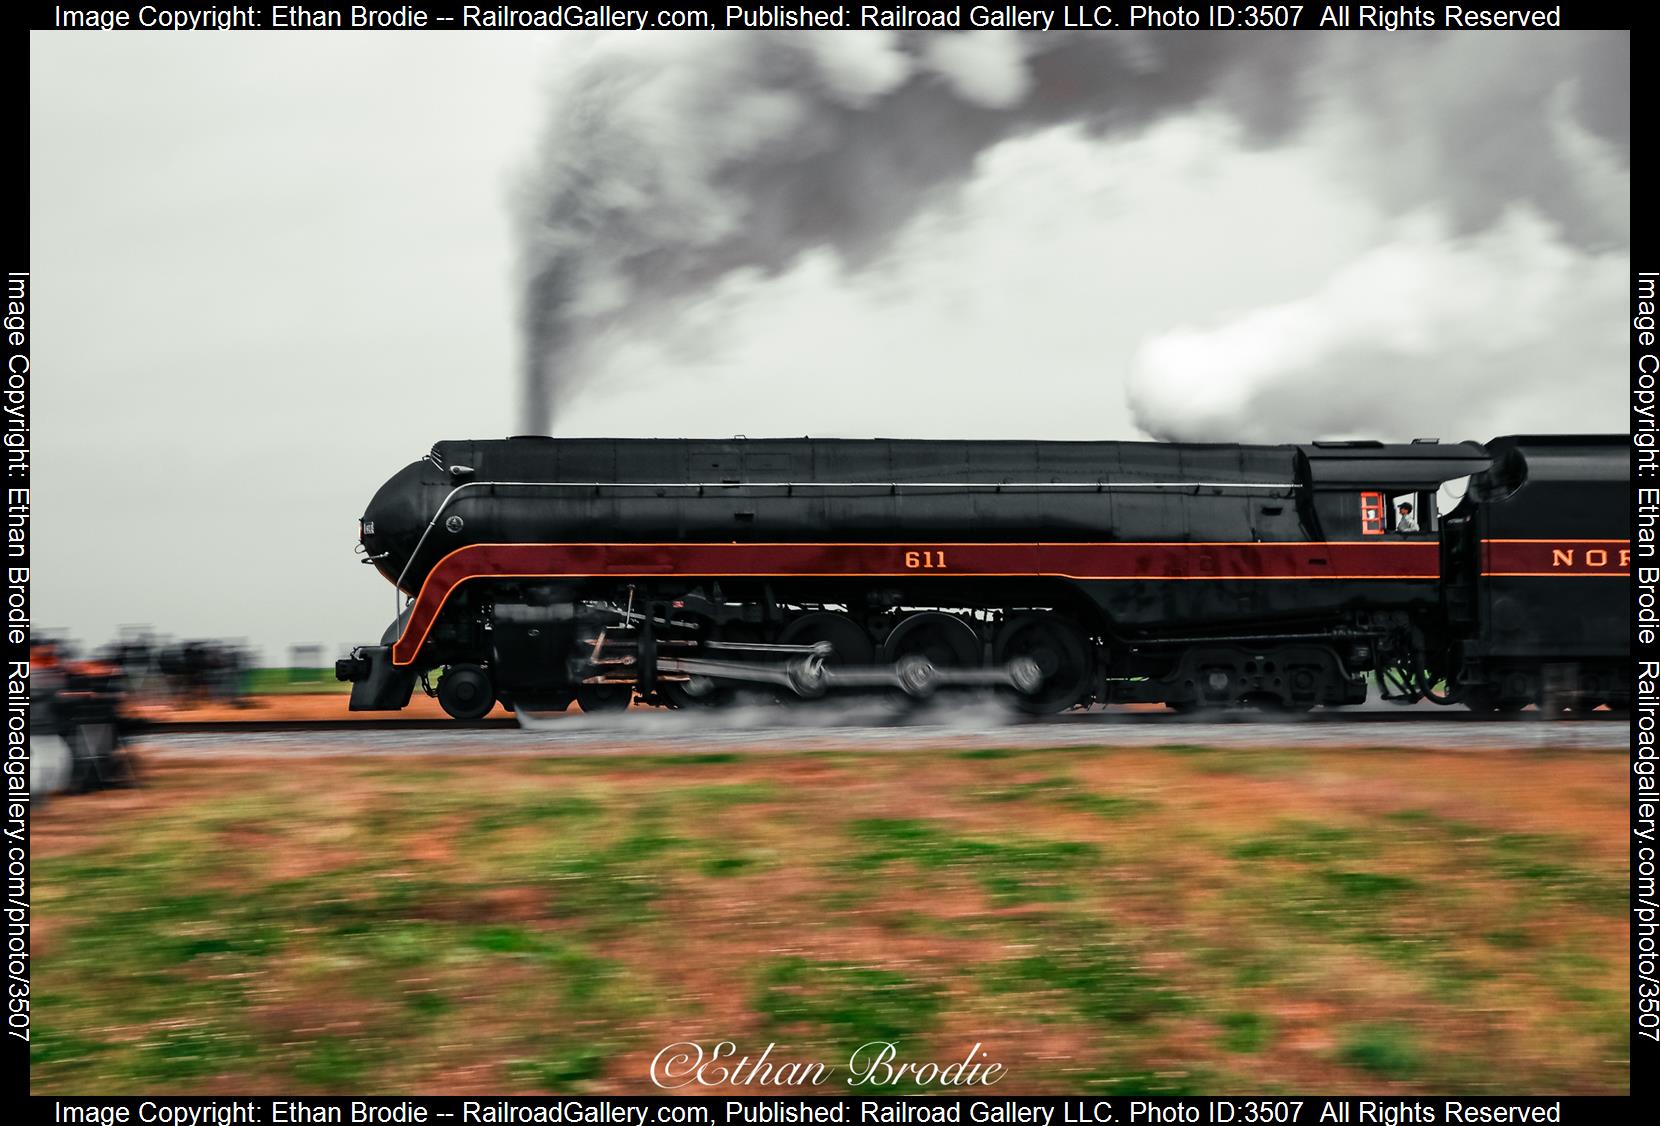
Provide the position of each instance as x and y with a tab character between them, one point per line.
289	707
1174	919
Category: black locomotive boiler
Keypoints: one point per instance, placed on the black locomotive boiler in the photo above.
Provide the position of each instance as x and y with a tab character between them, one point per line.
536	571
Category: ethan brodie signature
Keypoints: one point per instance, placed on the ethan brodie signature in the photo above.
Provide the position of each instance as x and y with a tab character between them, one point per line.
876	1064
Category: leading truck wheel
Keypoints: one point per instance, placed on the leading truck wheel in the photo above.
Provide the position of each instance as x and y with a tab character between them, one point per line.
466	693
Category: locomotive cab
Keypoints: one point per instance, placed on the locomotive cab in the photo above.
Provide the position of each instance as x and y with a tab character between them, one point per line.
1369	492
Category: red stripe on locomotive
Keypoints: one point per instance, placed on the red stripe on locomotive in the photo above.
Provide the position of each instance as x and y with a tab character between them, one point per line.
1232	562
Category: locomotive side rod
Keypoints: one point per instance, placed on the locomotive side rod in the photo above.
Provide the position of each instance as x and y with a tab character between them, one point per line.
920	677
810	677
806	672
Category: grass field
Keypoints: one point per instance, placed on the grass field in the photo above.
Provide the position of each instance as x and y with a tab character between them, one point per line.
1170	920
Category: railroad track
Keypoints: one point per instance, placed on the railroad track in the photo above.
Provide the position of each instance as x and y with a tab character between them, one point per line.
271	726
614	725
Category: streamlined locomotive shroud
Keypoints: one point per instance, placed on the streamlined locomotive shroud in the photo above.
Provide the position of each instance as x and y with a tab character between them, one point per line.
535	571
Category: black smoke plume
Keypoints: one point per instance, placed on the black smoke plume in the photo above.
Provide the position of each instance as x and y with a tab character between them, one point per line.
671	161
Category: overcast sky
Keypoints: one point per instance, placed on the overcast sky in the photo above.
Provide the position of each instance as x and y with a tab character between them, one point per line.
271	269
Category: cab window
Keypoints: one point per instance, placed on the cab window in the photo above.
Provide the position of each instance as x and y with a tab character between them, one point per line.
1383	513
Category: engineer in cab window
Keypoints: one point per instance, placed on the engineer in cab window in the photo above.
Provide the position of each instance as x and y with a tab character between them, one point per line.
1405	519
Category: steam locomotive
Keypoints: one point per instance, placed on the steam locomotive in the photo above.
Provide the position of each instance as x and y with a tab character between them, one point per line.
535	571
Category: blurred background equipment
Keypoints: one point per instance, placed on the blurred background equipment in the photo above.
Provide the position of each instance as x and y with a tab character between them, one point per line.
77	711
200	672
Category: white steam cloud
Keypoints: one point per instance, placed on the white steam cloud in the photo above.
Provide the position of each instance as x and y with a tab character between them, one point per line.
1507	327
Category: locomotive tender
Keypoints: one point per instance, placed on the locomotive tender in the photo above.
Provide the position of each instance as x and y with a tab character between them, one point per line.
536	571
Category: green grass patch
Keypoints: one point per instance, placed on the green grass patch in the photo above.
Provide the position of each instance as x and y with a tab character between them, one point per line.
202	1049
613	885
335	1063
563	1063
726	795
1250	761
1109	806
1385	1050
1245	1031
1548	868
724	865
1320	901
1010	871
1083	970
1300	841
61	1051
1538	862
534	811
848	1004
1069	793
1314	876
1364	887
1433	821
574	974
284	681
